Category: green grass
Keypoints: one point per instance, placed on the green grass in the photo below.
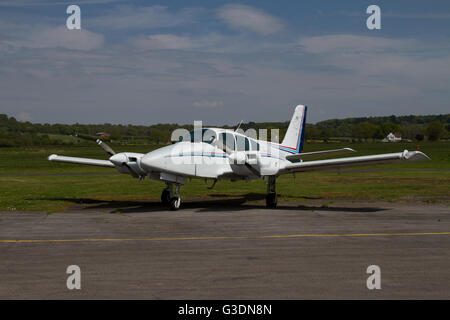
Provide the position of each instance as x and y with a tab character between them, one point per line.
53	193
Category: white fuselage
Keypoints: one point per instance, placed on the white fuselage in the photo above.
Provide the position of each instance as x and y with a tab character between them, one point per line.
235	159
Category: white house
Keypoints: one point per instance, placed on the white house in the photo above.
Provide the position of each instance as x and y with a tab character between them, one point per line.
393	137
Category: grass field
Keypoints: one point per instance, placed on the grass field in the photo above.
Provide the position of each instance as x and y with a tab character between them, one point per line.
25	187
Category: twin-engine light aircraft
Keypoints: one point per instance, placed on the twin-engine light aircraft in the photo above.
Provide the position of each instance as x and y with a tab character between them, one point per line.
216	154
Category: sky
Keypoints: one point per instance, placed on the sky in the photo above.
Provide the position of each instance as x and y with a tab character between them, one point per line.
147	62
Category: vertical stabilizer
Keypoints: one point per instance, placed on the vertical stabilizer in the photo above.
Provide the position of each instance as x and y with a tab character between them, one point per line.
293	140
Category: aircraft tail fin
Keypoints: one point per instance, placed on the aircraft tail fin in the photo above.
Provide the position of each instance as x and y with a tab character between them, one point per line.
295	134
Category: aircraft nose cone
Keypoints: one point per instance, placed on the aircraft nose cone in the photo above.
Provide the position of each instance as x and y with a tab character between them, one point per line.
118	159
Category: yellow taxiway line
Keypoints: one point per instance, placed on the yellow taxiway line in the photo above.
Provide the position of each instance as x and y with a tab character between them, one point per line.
227	237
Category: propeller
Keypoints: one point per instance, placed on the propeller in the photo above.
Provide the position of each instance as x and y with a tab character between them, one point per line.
105	147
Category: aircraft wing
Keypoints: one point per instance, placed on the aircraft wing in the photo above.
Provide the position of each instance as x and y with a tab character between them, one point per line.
354	161
297	156
86	161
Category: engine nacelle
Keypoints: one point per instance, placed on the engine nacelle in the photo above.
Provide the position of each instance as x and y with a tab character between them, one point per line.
268	166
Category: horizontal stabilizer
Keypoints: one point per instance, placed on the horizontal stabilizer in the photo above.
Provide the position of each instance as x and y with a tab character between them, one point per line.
293	157
355	161
86	161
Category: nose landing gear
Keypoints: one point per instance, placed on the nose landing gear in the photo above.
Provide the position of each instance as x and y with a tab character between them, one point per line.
171	198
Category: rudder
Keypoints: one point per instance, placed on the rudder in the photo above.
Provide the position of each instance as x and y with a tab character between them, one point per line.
293	140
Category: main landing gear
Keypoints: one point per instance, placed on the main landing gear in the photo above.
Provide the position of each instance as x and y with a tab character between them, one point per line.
271	197
171	198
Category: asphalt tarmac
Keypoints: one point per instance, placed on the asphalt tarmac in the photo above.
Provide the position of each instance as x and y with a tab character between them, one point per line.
228	250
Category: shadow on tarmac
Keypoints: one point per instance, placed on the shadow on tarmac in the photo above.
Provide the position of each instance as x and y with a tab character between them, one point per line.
222	203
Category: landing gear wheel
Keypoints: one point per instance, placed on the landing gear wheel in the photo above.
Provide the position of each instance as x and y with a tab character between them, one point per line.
165	196
174	203
271	200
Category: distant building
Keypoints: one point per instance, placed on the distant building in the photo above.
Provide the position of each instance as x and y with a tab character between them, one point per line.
103	134
393	137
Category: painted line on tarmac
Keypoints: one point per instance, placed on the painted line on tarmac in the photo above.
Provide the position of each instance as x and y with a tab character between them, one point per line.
226	237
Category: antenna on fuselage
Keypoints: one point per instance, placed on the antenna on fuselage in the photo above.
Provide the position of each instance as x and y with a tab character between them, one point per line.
239	125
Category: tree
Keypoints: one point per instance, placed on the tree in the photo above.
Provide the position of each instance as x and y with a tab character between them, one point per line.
325	134
312	132
364	130
115	134
419	137
388	127
435	130
379	133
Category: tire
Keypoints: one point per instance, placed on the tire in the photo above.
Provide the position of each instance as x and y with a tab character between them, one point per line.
174	203
165	196
271	200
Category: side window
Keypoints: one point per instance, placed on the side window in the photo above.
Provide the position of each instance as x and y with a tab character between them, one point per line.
255	145
242	143
229	142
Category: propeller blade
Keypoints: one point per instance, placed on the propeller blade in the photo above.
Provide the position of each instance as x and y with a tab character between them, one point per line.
105	147
132	171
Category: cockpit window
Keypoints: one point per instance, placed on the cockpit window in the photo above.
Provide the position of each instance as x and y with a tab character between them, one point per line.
199	135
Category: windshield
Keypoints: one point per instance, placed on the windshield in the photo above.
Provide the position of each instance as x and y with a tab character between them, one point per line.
199	135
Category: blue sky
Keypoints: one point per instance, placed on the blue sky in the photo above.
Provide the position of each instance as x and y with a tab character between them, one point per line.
146	62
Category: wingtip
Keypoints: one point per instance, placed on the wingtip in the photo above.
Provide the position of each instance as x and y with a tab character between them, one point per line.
416	156
52	157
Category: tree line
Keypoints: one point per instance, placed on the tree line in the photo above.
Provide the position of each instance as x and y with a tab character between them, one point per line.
15	133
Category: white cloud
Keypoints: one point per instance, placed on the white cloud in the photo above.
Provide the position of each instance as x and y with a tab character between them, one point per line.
61	37
41	37
249	18
347	43
363	54
128	17
162	41
403	64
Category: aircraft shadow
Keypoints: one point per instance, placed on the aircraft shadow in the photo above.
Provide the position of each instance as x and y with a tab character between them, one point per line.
224	203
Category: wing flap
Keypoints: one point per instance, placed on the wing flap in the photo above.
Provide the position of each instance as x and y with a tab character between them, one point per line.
85	161
293	157
355	161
